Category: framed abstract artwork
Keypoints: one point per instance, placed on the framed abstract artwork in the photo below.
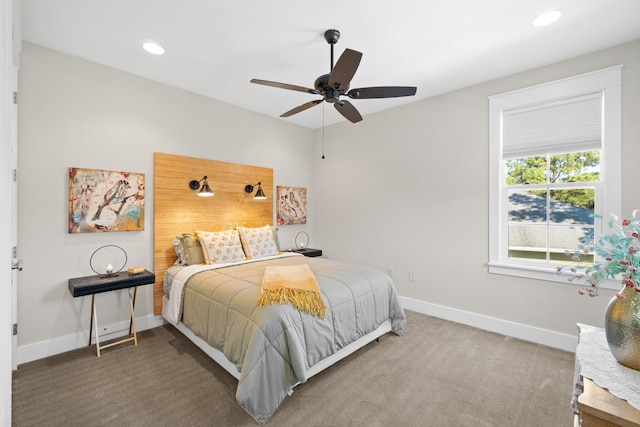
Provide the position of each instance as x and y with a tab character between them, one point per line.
292	205
101	200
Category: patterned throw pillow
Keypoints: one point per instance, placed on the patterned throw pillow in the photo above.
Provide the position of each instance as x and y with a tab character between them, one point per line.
274	231
258	242
221	246
177	247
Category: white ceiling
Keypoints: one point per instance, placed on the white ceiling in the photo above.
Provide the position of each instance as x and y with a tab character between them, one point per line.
215	47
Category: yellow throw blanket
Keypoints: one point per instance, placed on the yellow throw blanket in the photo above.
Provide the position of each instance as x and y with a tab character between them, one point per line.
292	284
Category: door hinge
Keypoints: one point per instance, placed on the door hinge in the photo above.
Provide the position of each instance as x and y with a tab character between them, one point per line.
15	329
15	175
14	252
15	98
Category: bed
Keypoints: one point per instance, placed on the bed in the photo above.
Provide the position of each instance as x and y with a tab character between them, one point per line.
270	348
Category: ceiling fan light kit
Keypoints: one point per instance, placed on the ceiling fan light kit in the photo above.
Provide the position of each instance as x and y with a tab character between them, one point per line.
334	85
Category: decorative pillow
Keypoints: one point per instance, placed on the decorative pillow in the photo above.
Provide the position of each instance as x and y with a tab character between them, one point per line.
274	230
258	242
177	246
221	246
192	249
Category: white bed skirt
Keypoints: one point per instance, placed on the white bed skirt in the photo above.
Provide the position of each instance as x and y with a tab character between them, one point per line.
221	359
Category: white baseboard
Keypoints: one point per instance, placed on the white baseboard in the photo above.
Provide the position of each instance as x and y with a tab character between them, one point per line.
517	330
42	349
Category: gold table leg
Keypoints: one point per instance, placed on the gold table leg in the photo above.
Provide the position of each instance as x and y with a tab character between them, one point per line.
133	307
94	320
132	323
93	300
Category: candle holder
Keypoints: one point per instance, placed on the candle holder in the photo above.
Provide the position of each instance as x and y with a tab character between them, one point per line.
302	240
109	270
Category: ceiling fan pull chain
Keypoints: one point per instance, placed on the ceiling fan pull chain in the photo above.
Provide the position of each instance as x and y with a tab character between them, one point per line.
323	131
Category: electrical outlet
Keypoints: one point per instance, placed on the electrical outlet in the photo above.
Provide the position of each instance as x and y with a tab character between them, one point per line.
390	271
412	276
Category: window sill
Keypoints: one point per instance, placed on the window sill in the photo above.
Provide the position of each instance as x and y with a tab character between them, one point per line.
548	274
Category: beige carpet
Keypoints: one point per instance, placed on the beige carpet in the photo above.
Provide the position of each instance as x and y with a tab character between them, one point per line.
438	374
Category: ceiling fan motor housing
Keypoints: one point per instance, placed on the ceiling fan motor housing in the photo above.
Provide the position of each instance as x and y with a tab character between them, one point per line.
331	95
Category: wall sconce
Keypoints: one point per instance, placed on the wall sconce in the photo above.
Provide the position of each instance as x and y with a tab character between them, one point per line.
259	194
205	191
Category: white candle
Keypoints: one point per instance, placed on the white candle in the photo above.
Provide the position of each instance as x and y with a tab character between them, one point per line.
109	268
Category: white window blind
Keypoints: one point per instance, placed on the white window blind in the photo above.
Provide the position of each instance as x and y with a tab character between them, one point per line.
570	125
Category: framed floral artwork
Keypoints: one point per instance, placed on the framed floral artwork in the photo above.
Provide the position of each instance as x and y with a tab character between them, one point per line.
292	205
101	200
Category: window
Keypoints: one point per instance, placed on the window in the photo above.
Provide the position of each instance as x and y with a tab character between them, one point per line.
555	160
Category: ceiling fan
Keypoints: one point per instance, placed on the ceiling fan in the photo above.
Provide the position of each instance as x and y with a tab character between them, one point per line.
336	84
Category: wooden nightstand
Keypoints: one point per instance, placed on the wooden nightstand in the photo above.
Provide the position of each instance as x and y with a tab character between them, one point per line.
594	405
309	252
600	408
92	285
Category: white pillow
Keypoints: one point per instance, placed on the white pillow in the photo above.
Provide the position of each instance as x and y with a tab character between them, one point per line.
221	246
258	242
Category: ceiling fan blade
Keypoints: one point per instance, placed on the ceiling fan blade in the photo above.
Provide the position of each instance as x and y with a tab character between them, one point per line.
344	69
284	86
381	92
348	111
301	108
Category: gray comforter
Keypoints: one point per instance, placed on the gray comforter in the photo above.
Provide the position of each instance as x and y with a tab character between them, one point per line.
273	347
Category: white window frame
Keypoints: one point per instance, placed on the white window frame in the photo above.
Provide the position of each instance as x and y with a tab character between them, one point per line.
608	81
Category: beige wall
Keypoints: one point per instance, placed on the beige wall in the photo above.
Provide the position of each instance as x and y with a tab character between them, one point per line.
408	189
77	113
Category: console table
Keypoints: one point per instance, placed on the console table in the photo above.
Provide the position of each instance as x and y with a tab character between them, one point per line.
606	393
92	285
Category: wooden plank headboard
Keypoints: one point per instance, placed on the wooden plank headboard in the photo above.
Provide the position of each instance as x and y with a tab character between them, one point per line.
177	209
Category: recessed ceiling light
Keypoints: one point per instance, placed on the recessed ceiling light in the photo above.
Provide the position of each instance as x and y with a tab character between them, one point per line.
154	48
546	18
